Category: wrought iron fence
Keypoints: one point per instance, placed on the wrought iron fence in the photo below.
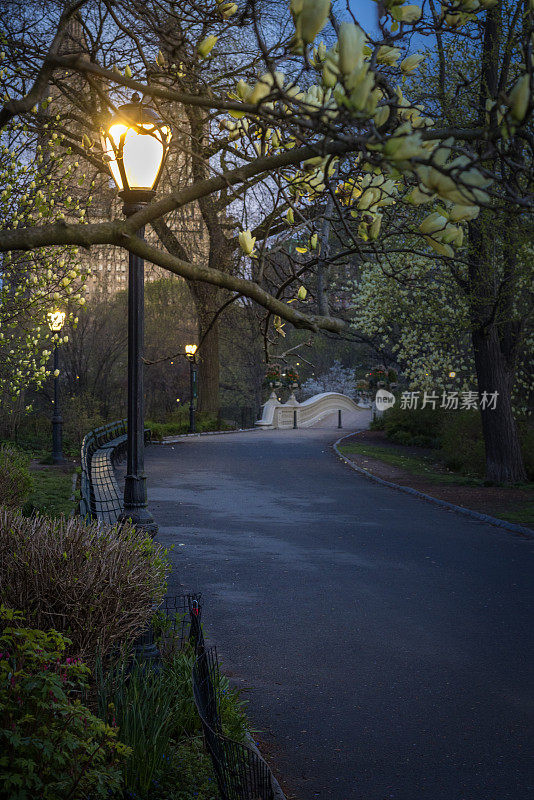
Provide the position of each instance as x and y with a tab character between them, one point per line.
101	449
241	772
241	416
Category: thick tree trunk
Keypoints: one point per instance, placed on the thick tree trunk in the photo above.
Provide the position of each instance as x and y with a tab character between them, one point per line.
495	336
206	298
504	461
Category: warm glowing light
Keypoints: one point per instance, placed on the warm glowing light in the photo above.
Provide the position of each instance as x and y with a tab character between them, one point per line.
56	319
190	349
135	145
452	374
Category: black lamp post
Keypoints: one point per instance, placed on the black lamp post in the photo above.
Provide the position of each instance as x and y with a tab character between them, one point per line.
191	355
136	142
56	320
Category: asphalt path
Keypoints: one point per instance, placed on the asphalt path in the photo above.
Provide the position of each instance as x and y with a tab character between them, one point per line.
385	643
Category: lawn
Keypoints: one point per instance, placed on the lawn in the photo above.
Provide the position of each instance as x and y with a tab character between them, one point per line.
426	474
422	466
51	490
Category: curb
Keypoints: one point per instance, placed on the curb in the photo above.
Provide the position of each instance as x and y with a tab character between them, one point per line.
499	523
178	437
278	794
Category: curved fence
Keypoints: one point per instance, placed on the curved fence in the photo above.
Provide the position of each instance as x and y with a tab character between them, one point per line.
101	449
241	772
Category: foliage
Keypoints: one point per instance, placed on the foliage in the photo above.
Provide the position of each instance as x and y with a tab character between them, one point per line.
15	478
178	423
53	747
424	422
273	374
336	379
157	717
96	583
462	444
456	434
189	774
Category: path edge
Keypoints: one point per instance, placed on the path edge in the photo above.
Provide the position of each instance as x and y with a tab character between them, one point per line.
179	436
468	512
278	793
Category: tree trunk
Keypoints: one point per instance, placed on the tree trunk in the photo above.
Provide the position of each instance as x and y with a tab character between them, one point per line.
504	461
495	336
206	299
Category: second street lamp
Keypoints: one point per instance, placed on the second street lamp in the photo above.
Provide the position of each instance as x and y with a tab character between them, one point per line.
56	320
191	355
136	142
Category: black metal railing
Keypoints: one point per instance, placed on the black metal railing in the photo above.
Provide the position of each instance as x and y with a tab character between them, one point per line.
241	772
102	448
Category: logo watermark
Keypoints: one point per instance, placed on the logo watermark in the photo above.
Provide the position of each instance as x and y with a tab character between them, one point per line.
451	401
384	400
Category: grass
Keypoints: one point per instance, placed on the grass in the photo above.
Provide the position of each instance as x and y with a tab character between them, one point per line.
521	512
51	492
422	466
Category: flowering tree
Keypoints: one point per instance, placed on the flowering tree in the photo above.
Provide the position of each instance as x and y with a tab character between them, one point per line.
305	127
336	379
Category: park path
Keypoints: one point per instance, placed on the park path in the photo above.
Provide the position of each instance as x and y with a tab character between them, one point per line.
386	643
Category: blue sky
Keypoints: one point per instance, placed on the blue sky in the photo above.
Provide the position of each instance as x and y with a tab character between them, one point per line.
365	12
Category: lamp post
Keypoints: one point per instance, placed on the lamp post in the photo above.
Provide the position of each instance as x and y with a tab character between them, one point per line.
56	320
191	355
136	142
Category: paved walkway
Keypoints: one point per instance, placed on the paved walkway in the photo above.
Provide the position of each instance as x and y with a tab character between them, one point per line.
387	643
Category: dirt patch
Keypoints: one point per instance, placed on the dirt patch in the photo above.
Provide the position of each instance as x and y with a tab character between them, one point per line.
497	501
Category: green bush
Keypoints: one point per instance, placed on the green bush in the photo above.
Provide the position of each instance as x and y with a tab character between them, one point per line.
15	478
462	445
526	437
401	437
53	747
95	583
416	422
178	423
377	424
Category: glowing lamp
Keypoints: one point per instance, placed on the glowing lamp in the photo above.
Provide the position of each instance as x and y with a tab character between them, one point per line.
135	142
56	319
190	351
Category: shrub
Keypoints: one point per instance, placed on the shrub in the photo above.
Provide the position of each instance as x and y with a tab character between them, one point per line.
179	423
526	437
96	583
377	424
15	479
462	443
415	422
52	746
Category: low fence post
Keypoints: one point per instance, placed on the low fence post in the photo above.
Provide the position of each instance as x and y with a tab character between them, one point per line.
295	418
339	425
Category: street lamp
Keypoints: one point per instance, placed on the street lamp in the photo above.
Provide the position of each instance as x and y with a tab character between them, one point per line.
135	143
56	320
191	355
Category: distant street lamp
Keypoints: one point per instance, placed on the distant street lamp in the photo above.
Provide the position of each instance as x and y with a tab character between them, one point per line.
191	355
136	142
56	320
